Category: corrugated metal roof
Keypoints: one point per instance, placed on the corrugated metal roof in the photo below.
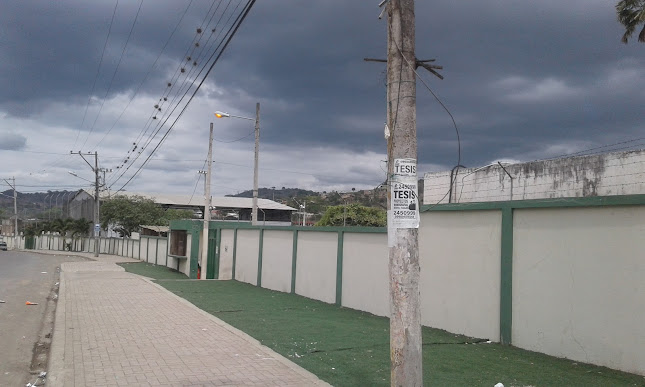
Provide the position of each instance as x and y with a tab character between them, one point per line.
217	202
157	228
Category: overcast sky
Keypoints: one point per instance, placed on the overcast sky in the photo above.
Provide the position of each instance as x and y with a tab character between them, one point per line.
524	81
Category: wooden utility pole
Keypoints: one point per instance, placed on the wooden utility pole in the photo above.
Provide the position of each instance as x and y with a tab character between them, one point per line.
403	214
207	205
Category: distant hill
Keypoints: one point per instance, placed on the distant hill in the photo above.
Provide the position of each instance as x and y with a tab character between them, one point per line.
278	194
317	202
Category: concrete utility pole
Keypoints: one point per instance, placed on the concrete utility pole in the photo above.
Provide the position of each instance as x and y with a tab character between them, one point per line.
207	204
97	239
15	212
304	212
254	211
405	318
97	223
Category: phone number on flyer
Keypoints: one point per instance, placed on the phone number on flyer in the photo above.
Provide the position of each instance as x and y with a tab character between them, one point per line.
405	214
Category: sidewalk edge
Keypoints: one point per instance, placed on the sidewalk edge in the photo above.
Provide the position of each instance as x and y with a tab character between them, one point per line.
57	373
295	367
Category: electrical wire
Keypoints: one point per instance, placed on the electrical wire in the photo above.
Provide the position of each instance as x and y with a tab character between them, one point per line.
125	46
98	70
160	124
413	68
96	76
236	25
163	49
168	113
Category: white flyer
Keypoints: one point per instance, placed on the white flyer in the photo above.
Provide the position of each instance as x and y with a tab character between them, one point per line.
404	200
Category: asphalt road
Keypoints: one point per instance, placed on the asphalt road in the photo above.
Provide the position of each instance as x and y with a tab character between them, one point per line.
25	330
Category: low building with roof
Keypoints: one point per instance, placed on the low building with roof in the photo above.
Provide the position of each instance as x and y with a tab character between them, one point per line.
226	208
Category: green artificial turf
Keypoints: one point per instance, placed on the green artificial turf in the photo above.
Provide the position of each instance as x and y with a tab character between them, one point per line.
152	271
346	347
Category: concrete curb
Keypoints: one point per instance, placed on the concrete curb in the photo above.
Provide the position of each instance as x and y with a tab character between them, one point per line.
283	360
57	374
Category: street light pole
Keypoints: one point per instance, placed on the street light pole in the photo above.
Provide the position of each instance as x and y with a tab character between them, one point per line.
207	204
15	212
254	213
304	212
97	235
254	210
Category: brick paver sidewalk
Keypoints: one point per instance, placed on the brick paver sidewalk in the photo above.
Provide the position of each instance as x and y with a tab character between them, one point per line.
118	329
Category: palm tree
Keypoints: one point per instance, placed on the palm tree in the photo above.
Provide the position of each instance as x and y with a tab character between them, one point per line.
631	13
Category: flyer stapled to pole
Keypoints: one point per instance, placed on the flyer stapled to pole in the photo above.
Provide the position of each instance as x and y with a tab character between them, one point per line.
404	200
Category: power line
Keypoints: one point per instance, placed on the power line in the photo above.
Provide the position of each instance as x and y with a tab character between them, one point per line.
96	76
98	70
171	86
147	73
413	68
234	30
125	46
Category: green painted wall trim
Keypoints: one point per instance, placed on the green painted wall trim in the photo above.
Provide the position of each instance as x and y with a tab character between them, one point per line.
234	252
218	245
156	251
194	251
339	268
592	201
294	260
210	257
506	278
261	244
188	224
167	250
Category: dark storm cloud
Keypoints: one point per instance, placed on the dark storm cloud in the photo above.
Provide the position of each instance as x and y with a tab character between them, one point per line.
520	76
312	57
51	50
12	141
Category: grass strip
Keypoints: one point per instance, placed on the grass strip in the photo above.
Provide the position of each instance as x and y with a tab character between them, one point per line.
346	347
152	271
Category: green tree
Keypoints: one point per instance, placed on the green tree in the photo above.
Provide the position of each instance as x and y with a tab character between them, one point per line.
80	227
126	214
631	14
353	215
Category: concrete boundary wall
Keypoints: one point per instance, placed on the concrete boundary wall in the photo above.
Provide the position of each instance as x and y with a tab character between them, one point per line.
460	272
582	294
227	246
560	276
365	276
316	268
147	249
248	249
276	260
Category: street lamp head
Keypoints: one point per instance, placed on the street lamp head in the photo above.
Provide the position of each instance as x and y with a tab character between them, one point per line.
219	114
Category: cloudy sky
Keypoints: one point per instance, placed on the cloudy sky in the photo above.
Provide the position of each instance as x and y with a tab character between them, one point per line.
524	81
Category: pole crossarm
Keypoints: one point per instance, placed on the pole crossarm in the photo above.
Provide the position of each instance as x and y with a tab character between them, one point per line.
418	63
97	200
